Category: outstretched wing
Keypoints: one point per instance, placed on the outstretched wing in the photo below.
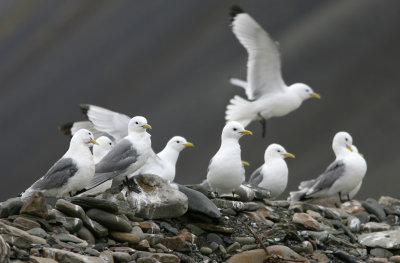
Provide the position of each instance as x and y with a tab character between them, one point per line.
264	63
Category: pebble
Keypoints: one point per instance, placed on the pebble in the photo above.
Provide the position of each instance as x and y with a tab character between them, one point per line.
214	246
111	221
26	222
70	209
249	247
121	257
87	202
385	239
85	234
306	221
72	224
35	206
205	250
373	207
213	237
375	227
245	240
394	258
380	253
92	252
388	201
233	247
125	237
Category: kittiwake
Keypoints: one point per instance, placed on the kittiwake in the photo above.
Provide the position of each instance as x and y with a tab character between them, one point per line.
268	95
226	171
273	174
72	172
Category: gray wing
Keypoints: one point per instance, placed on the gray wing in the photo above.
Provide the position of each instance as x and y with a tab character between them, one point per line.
118	158
264	63
256	177
334	171
100	178
58	175
306	184
110	122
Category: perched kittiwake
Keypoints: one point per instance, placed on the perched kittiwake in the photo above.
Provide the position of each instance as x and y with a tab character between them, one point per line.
273	174
72	172
225	171
341	177
163	164
128	155
268	95
99	151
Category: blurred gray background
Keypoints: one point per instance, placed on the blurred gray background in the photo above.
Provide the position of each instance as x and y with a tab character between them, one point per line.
170	61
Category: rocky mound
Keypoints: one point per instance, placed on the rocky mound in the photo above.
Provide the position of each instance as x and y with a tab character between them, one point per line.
153	222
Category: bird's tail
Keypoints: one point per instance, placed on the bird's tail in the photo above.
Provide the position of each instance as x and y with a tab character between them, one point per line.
239	110
297	195
238	82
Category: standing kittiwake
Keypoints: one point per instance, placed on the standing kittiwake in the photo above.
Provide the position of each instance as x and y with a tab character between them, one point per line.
99	151
163	164
268	95
225	171
341	177
273	174
72	172
128	155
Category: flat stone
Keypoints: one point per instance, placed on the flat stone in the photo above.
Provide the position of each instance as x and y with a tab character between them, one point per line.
245	240
306	221
111	221
4	251
354	224
11	207
212	237
42	260
228	212
232	248
144	244
395	259
259	255
121	257
39	232
320	257
373	207
215	228
174	243
70	209
375	227
249	247
199	203
125	237
169	228
64	256
380	253
35	206
97	229
86	235
92	252
65	237
389	201
87	203
72	224
385	239
377	260
157	199
18	237
189	237
167	258
205	250
26	222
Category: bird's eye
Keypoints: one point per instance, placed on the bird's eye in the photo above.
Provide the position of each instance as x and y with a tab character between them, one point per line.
279	151
307	90
177	141
137	122
90	133
110	143
346	139
234	129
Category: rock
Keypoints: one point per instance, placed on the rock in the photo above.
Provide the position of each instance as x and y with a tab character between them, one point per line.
236	205
195	229
174	243
373	207
97	229
42	260
38	232
380	253
249	247
392	210
157	198
18	237
233	247
72	224
111	221
215	228
35	206
125	237
168	258
26	222
144	244
86	235
11	207
319	257
259	256
385	239
306	221
388	201
375	227
64	237
169	228
87	202
245	240
354	224
212	237
92	252
70	209
214	246
378	260
228	212
121	257
63	256
4	251
199	203
205	250
245	193
394	258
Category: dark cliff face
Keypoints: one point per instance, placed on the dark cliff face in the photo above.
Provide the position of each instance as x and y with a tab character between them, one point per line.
170	62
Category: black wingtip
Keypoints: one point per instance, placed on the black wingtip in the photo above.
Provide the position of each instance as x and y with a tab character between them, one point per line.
84	108
234	11
66	128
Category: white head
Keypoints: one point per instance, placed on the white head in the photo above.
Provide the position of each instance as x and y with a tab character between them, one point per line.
234	130
179	143
105	145
304	91
342	143
83	136
138	124
276	151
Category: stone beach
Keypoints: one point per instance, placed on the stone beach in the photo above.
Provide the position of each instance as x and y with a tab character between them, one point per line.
155	222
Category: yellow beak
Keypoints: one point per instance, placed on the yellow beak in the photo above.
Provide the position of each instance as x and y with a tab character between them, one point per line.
146	126
94	142
189	144
362	155
245	163
288	155
246	132
349	148
315	95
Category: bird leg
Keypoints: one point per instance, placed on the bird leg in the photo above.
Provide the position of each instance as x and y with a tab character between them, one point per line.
263	122
340	197
348	197
233	195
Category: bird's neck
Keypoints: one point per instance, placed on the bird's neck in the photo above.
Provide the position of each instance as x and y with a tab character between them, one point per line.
229	142
78	149
169	155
